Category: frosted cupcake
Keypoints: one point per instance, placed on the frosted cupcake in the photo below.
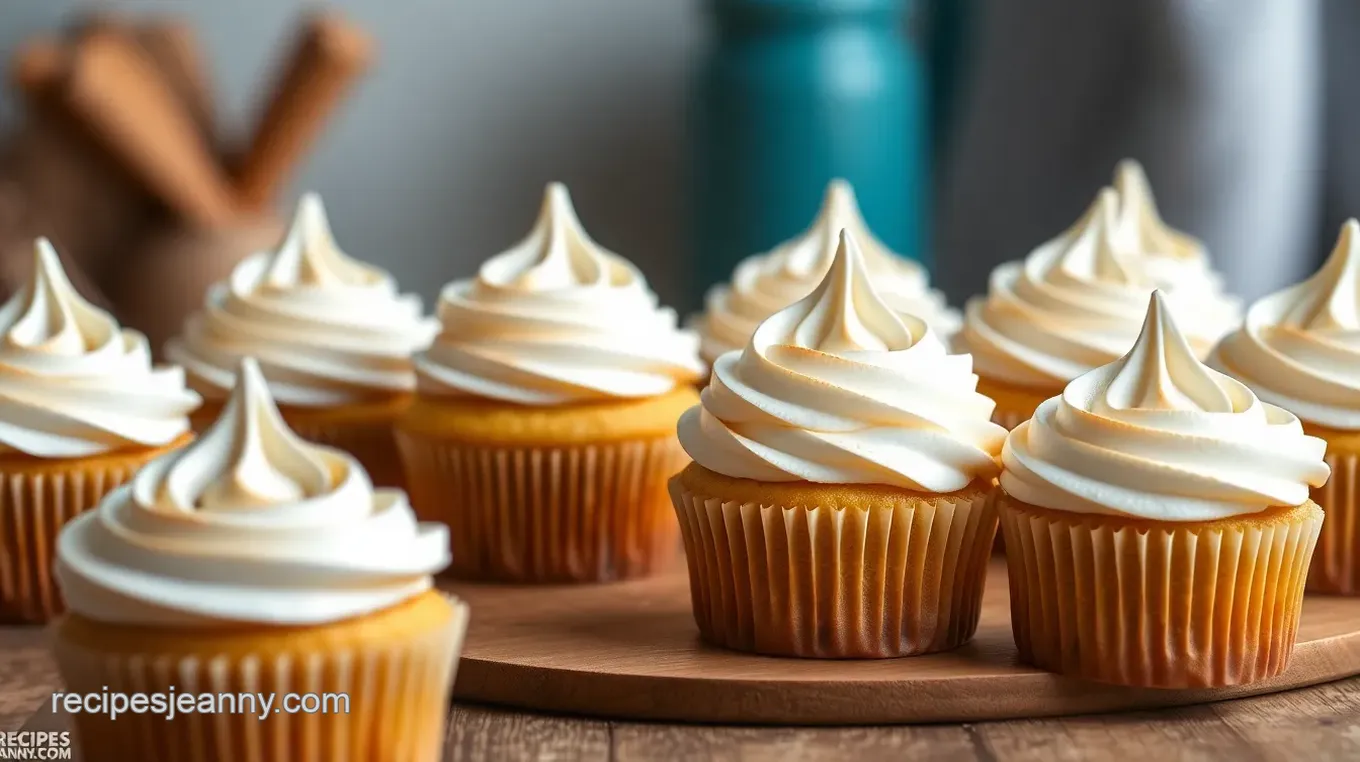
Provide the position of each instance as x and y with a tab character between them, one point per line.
332	335
1300	349
1076	304
254	562
544	427
81	409
1157	522
838	502
767	283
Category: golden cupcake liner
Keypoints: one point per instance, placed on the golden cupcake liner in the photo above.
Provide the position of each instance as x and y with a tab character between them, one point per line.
37	499
569	513
829	582
1336	562
397	690
1157	604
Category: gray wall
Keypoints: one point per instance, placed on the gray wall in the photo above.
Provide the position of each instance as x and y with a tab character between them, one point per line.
438	160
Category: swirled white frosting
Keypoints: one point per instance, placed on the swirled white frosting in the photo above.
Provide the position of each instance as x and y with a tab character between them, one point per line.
767	283
556	320
326	329
1158	435
247	524
72	382
1074	304
839	388
1300	347
1175	262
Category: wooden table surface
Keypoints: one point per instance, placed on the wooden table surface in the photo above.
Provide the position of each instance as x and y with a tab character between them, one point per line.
1313	724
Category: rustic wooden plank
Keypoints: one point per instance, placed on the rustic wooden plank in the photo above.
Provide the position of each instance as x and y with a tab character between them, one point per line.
28	675
481	733
637	742
1193	734
1318	724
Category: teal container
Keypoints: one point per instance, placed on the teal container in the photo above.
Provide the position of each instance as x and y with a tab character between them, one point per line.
792	94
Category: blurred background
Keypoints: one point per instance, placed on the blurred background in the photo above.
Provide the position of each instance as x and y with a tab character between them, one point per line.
690	132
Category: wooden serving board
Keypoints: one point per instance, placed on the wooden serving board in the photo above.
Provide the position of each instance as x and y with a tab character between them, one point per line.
631	650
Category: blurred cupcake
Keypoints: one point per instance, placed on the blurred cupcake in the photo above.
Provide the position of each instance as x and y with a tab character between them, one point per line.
1300	349
544	427
254	562
767	283
839	505
1075	304
332	335
83	408
1157	522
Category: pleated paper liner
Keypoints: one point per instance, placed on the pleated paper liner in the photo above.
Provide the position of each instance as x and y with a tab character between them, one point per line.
1336	562
1157	604
363	430
891	575
568	513
396	667
37	498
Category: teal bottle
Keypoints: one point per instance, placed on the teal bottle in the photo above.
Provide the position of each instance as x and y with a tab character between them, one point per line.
793	94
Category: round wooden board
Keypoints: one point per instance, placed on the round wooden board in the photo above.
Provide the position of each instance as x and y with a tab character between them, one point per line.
631	650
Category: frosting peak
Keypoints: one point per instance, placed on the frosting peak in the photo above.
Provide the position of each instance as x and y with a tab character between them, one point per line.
1161	372
1091	250
1300	347
72	382
326	329
1141	224
556	319
309	256
838	388
248	523
1158	435
843	315
767	283
557	253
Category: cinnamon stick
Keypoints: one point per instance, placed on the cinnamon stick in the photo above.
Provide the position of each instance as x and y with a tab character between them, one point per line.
330	55
174	49
116	91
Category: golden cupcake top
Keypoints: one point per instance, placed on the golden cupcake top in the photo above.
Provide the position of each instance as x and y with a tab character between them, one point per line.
839	388
325	328
249	523
73	382
1159	435
1076	302
767	283
556	319
1300	347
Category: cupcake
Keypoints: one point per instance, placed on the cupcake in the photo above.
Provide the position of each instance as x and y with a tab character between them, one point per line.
543	430
254	562
767	283
838	503
83	408
1076	303
332	335
1157	522
1300	349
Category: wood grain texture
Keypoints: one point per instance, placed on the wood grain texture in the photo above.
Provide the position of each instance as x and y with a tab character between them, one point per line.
28	674
631	650
1319	724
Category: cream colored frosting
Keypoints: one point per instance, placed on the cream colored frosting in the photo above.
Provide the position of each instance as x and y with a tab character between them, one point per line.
1074	304
72	382
839	388
556	319
1158	435
1175	262
767	283
326	329
1300	347
247	524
